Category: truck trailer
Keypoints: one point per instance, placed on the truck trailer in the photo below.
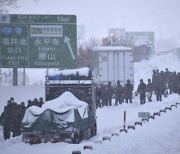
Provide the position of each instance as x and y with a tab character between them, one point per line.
113	63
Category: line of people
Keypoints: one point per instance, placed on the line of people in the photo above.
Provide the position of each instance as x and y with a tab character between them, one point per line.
161	84
105	93
12	116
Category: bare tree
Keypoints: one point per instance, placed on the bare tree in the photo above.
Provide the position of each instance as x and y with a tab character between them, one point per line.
6	4
85	54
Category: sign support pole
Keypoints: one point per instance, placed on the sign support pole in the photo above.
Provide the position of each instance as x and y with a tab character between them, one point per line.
15	76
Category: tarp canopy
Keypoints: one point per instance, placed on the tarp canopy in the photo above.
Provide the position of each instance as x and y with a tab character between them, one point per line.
60	111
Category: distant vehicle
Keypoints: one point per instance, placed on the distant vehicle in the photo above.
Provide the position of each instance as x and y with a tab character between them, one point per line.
69	113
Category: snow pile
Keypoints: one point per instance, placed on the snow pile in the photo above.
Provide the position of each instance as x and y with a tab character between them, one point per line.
64	103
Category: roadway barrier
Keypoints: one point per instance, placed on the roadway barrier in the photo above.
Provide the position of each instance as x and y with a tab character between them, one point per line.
88	147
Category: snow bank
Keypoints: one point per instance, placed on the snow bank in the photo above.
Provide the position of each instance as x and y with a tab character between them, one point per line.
143	70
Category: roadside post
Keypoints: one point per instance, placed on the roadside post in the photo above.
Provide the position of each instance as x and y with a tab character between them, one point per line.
124	119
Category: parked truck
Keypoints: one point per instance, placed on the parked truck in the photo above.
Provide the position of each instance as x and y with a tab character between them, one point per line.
69	113
113	63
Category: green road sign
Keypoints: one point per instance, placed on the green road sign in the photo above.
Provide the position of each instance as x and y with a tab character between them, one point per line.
147	37
38	41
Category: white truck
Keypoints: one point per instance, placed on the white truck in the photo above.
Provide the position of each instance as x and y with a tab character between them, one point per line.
113	63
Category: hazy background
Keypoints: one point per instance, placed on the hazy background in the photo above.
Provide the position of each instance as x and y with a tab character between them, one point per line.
160	16
97	16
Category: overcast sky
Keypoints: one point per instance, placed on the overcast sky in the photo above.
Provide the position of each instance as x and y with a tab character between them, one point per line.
160	16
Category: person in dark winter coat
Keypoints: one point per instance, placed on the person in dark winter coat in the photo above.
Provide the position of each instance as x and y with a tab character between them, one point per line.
103	96
5	122
30	103
41	102
142	91
35	102
10	119
167	77
153	78
164	84
128	91
158	87
178	82
20	114
99	95
118	93
149	90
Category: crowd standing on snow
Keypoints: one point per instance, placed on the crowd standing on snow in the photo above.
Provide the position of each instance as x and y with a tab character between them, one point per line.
13	114
161	84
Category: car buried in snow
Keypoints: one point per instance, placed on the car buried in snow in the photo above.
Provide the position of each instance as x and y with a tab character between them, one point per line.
69	113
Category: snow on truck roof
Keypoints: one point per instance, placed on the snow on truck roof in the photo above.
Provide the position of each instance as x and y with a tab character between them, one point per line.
70	76
82	72
111	48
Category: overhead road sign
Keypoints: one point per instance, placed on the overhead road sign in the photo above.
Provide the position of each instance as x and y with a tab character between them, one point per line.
38	41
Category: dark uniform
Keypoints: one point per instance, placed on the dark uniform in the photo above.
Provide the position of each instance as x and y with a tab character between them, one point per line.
158	87
41	102
128	91
167	77
142	91
30	103
35	102
103	95
99	96
178	81
118	93
20	114
10	119
149	90
5	122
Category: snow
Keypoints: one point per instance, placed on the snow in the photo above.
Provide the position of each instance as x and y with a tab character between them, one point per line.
66	102
111	48
55	77
159	135
82	72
